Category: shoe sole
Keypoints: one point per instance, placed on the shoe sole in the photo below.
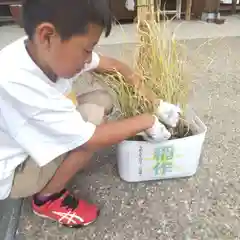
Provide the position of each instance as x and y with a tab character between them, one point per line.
65	225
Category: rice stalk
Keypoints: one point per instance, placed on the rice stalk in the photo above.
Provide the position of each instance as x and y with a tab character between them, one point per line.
159	59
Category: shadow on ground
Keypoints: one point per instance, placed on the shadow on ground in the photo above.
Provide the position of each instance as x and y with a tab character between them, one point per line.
205	206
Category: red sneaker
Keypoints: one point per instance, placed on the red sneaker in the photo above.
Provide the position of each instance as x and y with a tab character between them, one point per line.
67	210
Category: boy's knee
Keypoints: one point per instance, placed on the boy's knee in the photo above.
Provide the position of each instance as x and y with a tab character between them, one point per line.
98	97
92	113
105	100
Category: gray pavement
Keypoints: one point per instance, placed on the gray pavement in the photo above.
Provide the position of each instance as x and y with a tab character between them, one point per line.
206	206
9	218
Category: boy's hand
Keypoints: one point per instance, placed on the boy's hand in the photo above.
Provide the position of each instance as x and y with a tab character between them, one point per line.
168	113
157	133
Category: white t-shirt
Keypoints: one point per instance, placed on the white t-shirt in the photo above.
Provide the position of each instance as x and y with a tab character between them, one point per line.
37	118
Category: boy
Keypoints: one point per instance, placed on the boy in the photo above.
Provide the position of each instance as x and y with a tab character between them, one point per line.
43	124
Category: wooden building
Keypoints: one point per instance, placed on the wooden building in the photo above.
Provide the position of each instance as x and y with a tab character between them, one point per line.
192	8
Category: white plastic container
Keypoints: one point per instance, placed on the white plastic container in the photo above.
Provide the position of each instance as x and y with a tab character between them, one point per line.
143	161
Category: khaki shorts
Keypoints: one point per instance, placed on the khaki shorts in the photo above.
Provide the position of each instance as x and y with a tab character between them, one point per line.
93	104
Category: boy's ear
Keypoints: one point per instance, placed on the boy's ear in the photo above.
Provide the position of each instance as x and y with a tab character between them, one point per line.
45	33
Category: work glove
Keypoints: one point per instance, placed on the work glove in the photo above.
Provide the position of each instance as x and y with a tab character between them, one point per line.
157	133
168	113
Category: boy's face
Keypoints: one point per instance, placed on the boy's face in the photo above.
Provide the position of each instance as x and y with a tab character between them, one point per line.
65	58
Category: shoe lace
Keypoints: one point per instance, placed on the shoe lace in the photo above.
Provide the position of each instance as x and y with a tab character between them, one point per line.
70	202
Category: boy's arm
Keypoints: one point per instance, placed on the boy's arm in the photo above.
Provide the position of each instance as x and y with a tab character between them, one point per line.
117	131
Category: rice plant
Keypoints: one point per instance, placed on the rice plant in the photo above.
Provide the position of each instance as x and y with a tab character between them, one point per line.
159	60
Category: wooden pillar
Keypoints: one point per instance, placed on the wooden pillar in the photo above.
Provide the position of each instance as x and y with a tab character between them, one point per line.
234	6
144	7
157	4
188	10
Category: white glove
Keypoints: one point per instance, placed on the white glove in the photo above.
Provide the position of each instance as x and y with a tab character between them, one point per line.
130	5
168	113
157	133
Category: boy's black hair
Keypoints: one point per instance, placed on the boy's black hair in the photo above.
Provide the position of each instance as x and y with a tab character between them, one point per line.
70	17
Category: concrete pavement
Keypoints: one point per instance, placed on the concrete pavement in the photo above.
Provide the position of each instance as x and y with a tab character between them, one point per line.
127	33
